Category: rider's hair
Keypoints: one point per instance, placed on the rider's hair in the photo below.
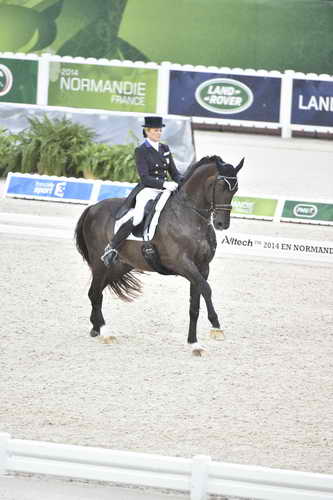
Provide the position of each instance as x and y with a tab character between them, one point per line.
144	132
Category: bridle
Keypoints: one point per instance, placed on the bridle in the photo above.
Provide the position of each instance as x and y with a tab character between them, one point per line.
232	184
214	208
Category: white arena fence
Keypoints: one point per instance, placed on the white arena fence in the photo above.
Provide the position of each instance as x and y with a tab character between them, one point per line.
89	191
199	476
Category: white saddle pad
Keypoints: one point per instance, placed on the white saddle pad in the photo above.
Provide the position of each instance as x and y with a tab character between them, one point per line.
150	230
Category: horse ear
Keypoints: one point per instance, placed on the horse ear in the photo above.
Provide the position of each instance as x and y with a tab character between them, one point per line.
240	164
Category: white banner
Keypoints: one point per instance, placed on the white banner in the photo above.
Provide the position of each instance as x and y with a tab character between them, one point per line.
270	246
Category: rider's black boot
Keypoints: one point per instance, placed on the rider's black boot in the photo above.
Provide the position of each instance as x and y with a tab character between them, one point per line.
110	255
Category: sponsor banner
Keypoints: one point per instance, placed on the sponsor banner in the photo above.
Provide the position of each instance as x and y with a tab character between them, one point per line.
256	207
307	211
269	246
116	88
238	97
312	102
18	81
48	188
114	190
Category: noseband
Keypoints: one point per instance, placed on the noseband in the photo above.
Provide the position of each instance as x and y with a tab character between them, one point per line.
232	184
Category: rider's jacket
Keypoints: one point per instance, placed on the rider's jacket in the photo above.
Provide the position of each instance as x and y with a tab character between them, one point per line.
153	166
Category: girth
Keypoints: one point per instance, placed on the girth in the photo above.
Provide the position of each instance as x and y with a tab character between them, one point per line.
152	257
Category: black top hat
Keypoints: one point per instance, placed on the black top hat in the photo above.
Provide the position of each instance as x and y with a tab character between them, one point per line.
153	122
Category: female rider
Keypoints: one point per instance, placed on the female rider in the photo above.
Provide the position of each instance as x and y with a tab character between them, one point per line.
154	162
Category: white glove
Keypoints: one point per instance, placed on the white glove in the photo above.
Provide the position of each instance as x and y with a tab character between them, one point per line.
170	185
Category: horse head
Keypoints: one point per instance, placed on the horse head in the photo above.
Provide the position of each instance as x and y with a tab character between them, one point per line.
209	185
222	189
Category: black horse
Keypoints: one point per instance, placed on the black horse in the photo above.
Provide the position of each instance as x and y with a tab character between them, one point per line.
184	239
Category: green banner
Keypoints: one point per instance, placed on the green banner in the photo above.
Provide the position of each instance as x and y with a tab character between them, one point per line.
307	210
258	207
103	87
18	81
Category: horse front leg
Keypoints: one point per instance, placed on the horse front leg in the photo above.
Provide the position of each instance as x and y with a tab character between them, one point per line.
200	286
197	349
216	332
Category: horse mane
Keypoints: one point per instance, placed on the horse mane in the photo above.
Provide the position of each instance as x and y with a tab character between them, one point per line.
206	159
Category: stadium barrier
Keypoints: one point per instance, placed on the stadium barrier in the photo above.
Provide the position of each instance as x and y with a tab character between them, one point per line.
87	191
199	476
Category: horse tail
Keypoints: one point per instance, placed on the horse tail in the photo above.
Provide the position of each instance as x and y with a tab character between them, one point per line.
79	237
128	287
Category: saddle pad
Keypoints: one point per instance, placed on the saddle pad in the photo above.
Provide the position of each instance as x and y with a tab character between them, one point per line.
149	231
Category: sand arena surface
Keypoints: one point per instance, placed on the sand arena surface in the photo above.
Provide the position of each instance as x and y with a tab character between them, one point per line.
262	397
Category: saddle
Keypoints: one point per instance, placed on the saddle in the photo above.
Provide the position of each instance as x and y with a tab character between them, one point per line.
146	229
149	213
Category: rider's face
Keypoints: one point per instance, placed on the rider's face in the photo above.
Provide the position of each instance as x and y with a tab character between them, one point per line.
154	134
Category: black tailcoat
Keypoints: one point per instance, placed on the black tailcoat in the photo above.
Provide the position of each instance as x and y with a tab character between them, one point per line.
153	166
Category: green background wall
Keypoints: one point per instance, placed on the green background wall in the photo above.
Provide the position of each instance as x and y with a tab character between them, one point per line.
259	34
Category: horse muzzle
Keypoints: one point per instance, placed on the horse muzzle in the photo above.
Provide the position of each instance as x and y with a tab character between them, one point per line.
221	220
220	225
221	216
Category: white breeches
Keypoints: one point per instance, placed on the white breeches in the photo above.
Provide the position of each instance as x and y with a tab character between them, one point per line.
141	199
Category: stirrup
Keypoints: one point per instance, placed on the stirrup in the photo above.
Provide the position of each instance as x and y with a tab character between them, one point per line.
109	256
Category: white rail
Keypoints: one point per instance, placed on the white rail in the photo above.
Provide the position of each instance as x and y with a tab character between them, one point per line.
199	476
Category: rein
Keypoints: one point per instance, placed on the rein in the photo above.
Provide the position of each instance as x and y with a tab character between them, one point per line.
199	211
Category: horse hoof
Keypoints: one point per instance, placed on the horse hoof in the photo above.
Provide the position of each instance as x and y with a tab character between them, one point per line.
94	333
108	340
217	334
198	350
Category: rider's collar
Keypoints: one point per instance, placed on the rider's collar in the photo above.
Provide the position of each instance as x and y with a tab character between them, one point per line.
151	143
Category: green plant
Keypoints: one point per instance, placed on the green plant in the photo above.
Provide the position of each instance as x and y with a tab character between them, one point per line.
115	163
63	148
52	147
8	152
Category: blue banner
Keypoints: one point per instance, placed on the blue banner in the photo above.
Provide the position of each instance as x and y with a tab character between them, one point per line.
109	190
57	189
237	97
312	103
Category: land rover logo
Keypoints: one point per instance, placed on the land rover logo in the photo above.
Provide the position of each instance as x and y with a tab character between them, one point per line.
6	80
305	210
223	95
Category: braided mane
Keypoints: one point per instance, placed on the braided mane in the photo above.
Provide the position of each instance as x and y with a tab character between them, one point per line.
206	159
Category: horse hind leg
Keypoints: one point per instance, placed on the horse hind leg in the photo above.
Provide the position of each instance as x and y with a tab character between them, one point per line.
194	314
95	294
122	288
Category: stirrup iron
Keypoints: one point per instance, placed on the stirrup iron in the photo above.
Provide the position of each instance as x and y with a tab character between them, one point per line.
110	255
